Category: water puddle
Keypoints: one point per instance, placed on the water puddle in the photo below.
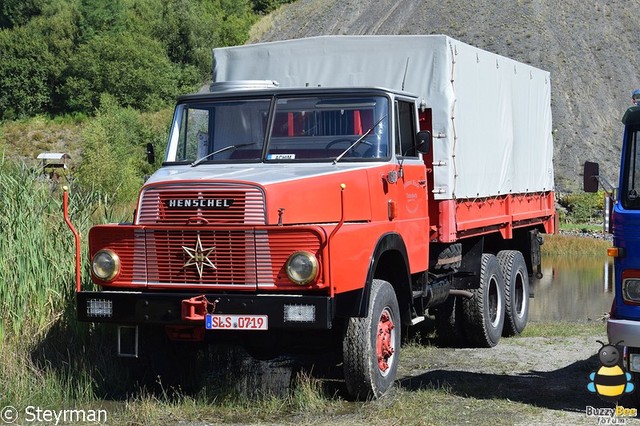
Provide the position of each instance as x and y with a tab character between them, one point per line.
572	289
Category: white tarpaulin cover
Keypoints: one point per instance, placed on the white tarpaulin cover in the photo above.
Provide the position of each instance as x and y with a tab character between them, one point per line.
491	114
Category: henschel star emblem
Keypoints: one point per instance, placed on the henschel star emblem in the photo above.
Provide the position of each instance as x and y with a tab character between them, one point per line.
199	257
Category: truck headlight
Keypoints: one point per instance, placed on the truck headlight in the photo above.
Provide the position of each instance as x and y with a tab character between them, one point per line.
302	267
631	290
105	265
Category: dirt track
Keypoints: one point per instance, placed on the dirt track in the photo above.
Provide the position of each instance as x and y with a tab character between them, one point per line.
550	373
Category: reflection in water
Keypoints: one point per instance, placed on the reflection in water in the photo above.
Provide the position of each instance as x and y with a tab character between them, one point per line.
572	289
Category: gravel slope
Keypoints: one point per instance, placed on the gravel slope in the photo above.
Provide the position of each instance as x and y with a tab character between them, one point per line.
590	48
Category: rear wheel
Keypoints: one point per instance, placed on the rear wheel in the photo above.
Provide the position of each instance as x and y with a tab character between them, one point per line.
371	345
484	311
516	291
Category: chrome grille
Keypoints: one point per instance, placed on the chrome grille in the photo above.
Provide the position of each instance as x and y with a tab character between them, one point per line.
231	252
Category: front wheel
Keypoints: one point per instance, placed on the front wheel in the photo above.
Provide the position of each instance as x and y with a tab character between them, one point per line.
371	345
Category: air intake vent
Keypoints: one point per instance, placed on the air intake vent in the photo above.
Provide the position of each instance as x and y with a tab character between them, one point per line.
181	204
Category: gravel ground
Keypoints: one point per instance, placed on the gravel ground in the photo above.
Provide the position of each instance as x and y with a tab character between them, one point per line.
586	233
551	373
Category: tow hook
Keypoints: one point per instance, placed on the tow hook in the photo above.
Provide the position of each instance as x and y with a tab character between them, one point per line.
196	308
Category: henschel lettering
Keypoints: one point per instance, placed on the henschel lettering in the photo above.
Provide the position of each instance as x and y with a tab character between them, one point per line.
199	203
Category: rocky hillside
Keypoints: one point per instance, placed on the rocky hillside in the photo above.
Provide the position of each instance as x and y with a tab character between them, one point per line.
591	48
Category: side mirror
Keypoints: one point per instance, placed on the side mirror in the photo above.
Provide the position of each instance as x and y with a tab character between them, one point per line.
151	154
590	176
424	140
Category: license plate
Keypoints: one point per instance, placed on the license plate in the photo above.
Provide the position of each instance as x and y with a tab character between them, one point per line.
236	322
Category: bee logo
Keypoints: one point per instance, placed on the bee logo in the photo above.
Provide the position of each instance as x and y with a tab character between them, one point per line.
610	381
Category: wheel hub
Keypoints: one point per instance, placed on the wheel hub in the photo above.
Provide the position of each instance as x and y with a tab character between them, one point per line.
384	343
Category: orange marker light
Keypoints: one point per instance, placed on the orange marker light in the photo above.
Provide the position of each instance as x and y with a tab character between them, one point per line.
392	210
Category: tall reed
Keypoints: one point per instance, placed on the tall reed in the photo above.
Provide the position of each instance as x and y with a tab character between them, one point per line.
36	249
39	337
571	246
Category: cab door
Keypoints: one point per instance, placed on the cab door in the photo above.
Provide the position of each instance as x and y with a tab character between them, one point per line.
411	186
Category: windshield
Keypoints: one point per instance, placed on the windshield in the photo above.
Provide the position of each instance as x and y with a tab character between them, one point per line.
220	130
630	193
323	128
318	128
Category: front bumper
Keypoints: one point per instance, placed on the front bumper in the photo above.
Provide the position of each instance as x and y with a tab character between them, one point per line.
138	308
625	331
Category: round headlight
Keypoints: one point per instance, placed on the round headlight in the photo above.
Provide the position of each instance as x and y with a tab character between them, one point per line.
302	267
105	265
631	290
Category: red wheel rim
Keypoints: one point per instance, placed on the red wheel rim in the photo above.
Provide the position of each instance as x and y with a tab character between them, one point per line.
385	341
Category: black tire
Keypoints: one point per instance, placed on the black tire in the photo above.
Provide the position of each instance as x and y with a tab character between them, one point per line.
484	312
634	397
449	324
450	258
371	345
516	292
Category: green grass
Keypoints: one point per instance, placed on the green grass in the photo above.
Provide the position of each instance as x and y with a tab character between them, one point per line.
564	329
29	137
567	245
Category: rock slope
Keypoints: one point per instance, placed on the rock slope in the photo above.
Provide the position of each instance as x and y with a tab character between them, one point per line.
590	48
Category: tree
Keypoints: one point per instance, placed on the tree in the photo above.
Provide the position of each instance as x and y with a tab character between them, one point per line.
24	72
102	16
133	68
266	6
60	56
14	13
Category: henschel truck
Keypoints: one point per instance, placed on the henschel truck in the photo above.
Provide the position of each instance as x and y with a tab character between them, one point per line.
331	191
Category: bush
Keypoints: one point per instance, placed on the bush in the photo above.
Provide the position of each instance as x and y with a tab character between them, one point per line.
114	161
583	207
266	6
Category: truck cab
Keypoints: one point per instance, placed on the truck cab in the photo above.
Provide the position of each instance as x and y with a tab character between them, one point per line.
272	161
623	325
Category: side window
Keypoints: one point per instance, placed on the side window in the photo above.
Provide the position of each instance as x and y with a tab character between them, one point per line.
405	129
194	134
631	194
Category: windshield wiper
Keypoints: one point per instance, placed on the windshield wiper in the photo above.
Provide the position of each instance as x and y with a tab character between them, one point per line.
360	139
226	148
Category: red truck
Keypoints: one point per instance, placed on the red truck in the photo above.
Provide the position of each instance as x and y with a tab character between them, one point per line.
332	191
